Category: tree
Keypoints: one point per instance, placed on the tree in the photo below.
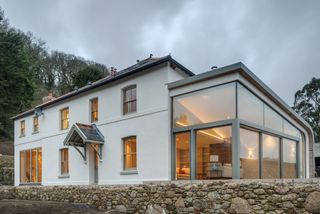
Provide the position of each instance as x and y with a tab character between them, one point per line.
86	75
307	104
16	86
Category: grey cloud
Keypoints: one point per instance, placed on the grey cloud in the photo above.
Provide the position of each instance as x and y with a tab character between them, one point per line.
277	40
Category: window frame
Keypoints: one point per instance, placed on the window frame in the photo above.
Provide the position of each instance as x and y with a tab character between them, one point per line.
124	102
62	120
132	153
35	125
63	161
22	128
95	99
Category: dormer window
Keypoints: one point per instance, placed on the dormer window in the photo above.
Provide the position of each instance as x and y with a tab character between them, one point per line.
35	124
64	114
22	128
130	99
94	110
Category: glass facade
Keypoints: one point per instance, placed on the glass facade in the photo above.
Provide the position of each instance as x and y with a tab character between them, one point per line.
272	119
270	157
249	154
182	142
250	108
204	122
214	153
208	105
289	155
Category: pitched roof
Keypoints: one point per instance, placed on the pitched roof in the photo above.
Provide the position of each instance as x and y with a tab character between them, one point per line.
138	67
80	134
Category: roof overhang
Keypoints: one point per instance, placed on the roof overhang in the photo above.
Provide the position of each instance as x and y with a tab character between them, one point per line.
252	78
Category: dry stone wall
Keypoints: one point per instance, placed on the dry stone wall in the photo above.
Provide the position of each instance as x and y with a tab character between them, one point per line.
256	196
6	170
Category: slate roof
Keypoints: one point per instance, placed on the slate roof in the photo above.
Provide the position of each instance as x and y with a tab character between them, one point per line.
91	132
80	134
138	67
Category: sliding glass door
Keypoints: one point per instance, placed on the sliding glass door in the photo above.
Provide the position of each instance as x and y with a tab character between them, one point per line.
31	166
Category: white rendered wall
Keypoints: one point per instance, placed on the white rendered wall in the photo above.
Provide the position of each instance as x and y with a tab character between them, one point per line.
149	124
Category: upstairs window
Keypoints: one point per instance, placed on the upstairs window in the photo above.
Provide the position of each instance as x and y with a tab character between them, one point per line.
64	161
64	118
22	128
129	99
35	124
130	153
94	110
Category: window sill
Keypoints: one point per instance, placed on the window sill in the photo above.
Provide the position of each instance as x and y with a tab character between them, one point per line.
63	176
129	172
30	184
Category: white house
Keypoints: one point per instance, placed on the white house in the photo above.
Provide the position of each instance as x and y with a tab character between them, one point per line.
156	120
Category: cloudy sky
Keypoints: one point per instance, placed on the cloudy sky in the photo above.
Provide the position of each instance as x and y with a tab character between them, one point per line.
278	40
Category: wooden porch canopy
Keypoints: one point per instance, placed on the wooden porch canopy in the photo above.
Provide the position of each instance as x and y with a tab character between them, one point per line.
81	135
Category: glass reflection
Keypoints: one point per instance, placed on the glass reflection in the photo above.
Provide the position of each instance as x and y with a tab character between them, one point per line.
289	159
250	108
270	157
249	154
272	120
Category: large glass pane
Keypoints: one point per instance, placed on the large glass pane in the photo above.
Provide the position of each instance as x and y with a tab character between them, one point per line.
208	105
22	167
214	153
28	163
270	157
272	120
289	159
250	108
290	129
39	159
249	154
33	165
182	156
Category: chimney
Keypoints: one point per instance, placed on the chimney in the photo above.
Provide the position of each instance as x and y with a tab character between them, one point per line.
113	71
48	98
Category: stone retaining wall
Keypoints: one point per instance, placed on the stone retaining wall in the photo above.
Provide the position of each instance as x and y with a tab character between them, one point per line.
280	196
6	170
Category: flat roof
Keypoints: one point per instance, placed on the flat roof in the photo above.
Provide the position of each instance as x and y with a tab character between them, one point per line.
251	77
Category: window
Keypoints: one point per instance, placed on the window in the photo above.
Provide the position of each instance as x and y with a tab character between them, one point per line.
270	157
214	153
64	118
182	156
272	120
250	108
94	110
130	153
129	100
35	124
22	128
289	159
64	161
208	105
31	166
249	154
290	129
